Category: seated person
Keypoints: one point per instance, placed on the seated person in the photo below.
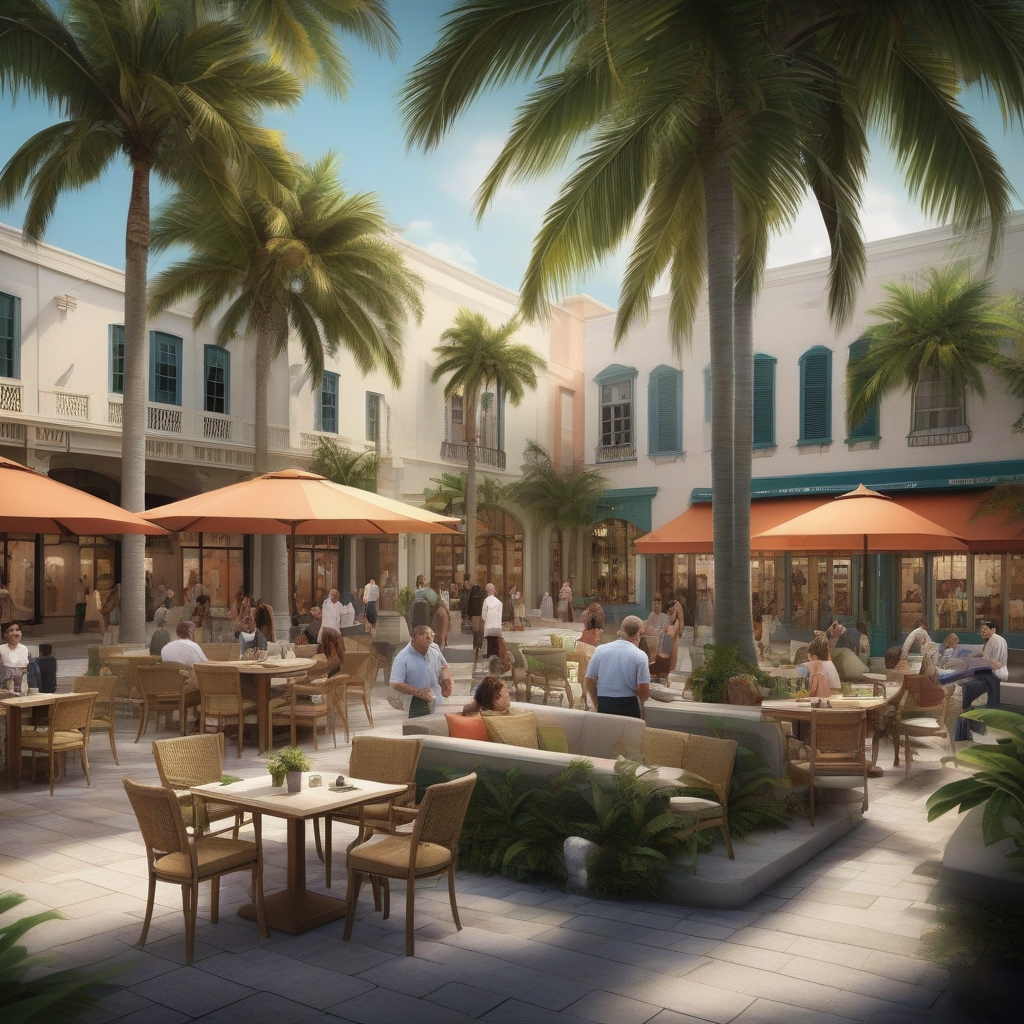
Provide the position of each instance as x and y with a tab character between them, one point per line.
987	679
184	650
895	660
310	632
161	635
918	635
824	679
249	636
47	669
593	624
490	697
333	648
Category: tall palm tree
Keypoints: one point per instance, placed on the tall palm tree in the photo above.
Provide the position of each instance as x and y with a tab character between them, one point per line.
174	91
950	325
449	496
475	356
346	467
565	501
707	121
1009	366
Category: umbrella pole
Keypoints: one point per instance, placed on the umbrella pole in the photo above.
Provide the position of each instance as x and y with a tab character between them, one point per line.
864	582
293	610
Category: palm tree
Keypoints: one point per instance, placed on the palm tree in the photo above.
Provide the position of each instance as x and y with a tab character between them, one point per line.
449	495
1010	367
706	118
173	90
346	467
565	501
949	326
475	356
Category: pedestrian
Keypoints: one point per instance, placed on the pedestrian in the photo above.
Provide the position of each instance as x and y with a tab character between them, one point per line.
420	672
474	609
565	602
441	624
371	595
593	624
618	679
492	613
330	613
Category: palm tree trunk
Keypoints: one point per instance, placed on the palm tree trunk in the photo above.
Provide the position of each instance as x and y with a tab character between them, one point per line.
264	348
743	436
721	229
133	409
471	415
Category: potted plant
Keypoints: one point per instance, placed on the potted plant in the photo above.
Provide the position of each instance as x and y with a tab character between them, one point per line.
276	769
294	762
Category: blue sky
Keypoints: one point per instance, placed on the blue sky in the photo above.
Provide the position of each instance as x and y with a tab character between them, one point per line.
429	198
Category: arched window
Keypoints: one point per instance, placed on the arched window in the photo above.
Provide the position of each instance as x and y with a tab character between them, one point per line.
665	411
868	428
816	396
764	401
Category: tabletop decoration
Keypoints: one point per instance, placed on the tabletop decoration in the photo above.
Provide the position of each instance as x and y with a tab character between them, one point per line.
294	761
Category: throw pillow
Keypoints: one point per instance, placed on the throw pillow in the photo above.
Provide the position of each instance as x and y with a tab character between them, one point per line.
467	727
552	737
850	668
515	730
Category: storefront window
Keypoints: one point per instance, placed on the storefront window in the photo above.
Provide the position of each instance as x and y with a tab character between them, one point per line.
613	562
988	589
499	554
1017	593
216	559
767	584
949	580
18	578
316	570
672	578
378	560
704	580
911	591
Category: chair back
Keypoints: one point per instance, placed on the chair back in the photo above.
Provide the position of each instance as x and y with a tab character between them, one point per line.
124	670
923	696
355	644
547	661
306	650
218	681
356	666
837	738
516	650
108	651
220	652
103	687
163	680
582	655
72	714
712	759
159	816
319	670
385	759
190	760
442	813
664	747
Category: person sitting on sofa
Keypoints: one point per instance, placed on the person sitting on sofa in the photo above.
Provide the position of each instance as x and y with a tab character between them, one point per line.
491	696
824	679
420	671
618	676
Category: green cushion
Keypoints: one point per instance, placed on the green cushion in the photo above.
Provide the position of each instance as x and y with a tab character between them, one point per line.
552	737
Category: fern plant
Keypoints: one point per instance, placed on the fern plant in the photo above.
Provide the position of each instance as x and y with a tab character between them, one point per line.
710	680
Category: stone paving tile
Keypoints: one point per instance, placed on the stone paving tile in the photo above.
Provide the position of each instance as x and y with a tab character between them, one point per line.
154	1014
466	998
685	995
115	1005
750	956
261	1007
192	992
852	980
608	1008
512	1011
385	1006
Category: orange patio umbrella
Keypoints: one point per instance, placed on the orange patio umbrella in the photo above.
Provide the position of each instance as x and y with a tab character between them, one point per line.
33	503
295	502
860	519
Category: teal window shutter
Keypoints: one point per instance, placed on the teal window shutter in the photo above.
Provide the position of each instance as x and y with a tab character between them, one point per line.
665	411
164	368
868	428
764	401
816	396
327	407
10	336
116	332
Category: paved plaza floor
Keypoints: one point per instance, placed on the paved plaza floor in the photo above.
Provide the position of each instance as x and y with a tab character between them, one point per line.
836	941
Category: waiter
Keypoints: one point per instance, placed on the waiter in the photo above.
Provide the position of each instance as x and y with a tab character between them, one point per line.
618	679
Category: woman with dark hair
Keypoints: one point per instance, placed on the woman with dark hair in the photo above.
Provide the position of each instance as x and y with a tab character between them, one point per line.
491	695
249	635
333	648
668	642
201	617
265	621
441	624
593	624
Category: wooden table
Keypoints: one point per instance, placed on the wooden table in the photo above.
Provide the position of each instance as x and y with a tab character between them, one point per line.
258	676
14	707
296	909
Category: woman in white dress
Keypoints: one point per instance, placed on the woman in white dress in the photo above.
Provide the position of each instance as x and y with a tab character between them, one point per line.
14	661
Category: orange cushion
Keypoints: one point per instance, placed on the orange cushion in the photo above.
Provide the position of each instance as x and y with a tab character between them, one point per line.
467	727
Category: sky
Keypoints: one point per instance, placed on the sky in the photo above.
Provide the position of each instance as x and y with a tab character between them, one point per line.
429	197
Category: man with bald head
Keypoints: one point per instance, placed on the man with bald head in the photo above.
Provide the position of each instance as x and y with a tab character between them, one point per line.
184	650
492	612
618	677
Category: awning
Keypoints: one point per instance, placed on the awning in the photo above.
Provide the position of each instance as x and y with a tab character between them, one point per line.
953	511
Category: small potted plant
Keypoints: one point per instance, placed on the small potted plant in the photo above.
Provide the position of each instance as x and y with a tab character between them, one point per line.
294	762
276	769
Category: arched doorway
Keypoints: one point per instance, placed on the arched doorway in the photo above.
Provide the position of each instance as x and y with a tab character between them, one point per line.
499	553
613	562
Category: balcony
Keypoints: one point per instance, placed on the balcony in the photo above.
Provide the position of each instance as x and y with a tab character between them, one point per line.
456	451
615	453
10	396
59	404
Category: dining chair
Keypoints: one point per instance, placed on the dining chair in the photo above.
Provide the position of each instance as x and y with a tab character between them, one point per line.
836	748
103	709
174	856
165	689
198	760
432	849
301	710
519	673
547	669
922	713
127	697
220	651
712	761
220	697
307	650
360	673
67	729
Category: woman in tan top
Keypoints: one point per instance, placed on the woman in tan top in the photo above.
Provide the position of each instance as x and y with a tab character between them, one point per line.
824	676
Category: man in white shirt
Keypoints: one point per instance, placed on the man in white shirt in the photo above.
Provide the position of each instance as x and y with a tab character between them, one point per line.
491	611
994	650
985	680
184	651
331	613
918	635
371	595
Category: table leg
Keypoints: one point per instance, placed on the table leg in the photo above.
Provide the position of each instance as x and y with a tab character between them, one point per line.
296	909
263	723
13	721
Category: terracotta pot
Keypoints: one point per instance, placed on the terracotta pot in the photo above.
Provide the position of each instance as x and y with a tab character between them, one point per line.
294	782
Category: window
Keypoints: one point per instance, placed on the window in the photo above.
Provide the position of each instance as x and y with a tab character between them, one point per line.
327	407
707	394
567	446
665	411
487	434
764	401
816	396
10	336
936	405
374	411
164	368
867	429
613	562
988	589
456	412
116	333
617	413
217	374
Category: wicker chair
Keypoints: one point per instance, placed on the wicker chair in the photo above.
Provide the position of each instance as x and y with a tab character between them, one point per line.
303	712
357	644
711	760
103	709
67	729
922	712
384	759
127	695
520	675
188	761
664	747
836	749
173	856
360	676
165	690
107	651
307	650
546	669
220	693
220	652
431	850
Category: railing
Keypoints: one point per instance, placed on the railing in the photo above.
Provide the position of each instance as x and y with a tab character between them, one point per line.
10	396
941	435
164	418
615	453
277	437
114	412
218	427
454	451
58	404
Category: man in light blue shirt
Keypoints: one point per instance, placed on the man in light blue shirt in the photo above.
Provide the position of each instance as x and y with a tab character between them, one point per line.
420	672
618	677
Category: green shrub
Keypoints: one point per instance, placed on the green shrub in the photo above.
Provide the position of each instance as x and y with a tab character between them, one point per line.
971	933
710	681
404	601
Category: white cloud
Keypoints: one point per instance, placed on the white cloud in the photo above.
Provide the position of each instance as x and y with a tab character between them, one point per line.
419	227
452	252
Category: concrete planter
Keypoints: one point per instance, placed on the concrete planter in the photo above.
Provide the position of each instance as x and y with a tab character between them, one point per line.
294	782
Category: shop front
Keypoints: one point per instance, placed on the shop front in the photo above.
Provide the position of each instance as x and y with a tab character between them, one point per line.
617	577
500	541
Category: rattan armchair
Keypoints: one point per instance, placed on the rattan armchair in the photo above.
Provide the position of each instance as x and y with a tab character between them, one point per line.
664	747
709	762
922	713
127	696
386	759
520	674
836	749
300	710
357	644
173	856
103	709
307	650
357	682
220	693
67	729
165	689
546	669
188	761
431	850
220	652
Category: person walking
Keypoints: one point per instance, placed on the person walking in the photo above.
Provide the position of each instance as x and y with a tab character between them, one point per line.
371	595
330	613
618	679
492	610
565	602
421	673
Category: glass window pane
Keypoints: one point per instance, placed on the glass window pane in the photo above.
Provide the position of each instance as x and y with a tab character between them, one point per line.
949	584
613	562
8	341
166	371
116	359
911	591
704	607
1017	593
329	403
988	589
217	383
18	579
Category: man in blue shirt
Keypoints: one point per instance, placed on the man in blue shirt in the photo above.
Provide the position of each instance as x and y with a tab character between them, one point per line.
618	677
420	672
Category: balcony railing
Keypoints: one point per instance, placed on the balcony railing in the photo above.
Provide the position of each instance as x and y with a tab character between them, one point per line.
615	453
454	451
10	396
58	404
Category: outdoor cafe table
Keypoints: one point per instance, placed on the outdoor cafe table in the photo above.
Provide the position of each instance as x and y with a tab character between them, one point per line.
14	707
297	909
